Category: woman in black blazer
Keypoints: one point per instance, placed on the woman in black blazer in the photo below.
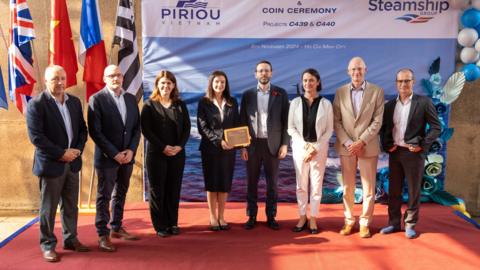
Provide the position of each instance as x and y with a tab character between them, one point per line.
166	125
217	111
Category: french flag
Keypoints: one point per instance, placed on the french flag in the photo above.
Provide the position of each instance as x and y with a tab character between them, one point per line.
92	54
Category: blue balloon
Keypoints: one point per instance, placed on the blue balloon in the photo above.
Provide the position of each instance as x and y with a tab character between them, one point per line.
471	18
471	71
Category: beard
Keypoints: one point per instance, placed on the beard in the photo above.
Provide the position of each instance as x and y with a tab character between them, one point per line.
264	80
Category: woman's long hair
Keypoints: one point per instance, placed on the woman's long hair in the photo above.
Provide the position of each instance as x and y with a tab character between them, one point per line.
174	95
210	93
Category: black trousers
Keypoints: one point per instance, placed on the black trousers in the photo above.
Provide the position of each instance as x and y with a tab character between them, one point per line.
113	185
165	178
261	156
54	190
409	166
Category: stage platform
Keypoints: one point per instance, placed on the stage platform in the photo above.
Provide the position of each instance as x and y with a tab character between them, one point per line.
445	242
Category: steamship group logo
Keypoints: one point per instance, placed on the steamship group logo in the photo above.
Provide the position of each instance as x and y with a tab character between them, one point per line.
191	12
415	11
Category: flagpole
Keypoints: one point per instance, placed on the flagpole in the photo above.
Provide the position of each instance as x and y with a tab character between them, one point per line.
37	67
4	39
113	40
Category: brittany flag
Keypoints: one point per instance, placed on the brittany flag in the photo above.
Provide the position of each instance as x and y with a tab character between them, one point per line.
21	76
62	51
92	54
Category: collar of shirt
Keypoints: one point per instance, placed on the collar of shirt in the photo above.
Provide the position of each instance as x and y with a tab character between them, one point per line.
218	105
409	99
122	92
260	89
362	87
65	97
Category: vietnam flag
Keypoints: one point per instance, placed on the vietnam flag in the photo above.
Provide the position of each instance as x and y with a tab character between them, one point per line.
61	50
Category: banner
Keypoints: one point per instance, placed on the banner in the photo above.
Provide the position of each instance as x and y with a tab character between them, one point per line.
193	38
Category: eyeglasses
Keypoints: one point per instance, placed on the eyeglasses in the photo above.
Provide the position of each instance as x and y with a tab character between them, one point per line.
404	81
111	76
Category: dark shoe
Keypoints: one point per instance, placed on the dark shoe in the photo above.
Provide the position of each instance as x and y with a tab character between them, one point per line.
299	229
224	227
50	256
77	247
410	233
174	230
389	229
252	220
273	224
105	244
214	228
123	234
313	231
163	233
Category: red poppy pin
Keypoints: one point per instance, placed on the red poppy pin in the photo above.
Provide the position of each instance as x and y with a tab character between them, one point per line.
275	93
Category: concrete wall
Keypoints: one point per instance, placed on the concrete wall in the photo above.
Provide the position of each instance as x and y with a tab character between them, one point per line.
19	189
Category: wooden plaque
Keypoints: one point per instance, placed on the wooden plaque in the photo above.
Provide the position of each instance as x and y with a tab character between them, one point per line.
237	137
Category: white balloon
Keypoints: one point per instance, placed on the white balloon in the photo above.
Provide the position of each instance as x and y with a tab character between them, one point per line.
459	4
467	37
477	45
469	55
476	4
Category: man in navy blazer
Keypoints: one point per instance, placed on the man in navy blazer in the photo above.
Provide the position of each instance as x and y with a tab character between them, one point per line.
57	130
114	125
264	109
405	138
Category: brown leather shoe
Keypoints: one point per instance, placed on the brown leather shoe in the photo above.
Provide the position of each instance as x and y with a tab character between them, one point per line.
123	234
346	229
105	245
50	256
77	247
364	232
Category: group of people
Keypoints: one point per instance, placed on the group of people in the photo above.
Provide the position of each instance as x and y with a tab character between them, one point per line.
359	116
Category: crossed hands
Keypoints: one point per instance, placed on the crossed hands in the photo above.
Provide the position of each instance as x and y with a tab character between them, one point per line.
356	147
70	155
124	157
310	152
171	151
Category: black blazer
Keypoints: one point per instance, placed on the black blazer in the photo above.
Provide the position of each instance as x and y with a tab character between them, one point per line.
48	134
422	112
277	120
210	125
107	130
153	121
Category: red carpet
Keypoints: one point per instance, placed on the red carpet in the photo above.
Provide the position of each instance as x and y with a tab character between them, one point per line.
445	242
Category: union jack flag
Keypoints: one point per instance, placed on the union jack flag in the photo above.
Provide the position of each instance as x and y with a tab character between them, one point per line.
21	75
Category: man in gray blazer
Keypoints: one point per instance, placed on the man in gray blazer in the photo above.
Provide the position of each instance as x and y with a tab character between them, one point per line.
358	112
57	130
114	125
405	138
264	109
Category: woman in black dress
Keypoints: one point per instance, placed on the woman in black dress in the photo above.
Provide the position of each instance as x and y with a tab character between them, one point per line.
217	111
166	125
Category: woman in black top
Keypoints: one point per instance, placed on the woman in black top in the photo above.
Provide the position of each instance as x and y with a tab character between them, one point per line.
166	126
217	111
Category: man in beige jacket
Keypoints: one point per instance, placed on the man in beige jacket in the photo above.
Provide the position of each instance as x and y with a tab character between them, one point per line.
358	112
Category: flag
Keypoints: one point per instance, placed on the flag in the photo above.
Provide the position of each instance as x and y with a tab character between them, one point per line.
21	76
61	49
126	39
92	54
3	97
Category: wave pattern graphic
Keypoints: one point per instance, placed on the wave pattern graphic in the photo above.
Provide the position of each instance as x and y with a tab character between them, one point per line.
196	5
414	18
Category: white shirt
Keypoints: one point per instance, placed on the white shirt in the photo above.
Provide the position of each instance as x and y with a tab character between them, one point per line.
220	107
65	116
357	97
400	120
120	102
262	108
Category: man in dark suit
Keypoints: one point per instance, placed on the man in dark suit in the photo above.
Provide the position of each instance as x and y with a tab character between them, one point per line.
265	110
405	138
57	130
114	125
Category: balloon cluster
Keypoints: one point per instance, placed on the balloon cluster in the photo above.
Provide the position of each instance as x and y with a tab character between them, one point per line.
468	37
